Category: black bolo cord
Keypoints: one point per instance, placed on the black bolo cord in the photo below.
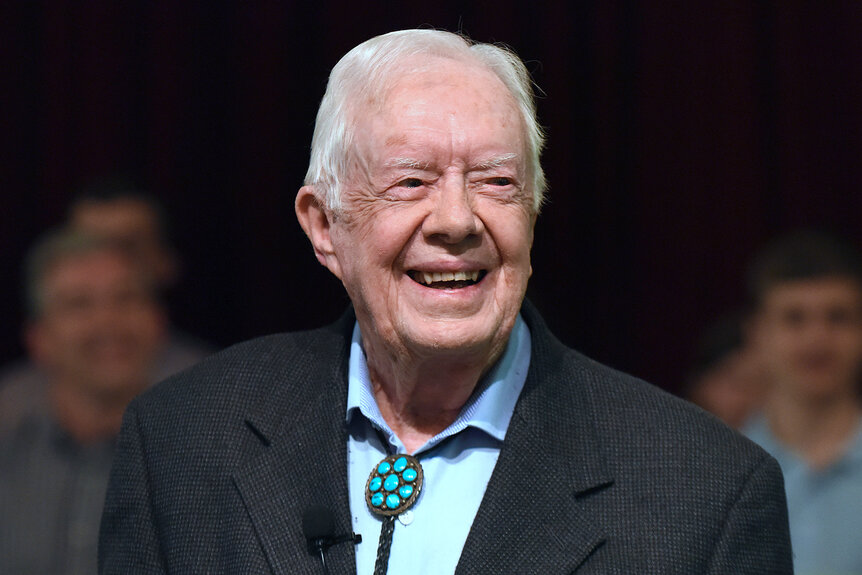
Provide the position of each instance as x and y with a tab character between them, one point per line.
384	546
392	488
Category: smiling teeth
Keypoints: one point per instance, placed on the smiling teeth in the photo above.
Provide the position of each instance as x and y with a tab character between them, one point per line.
433	277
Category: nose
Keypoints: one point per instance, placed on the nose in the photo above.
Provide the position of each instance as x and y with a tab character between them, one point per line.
452	218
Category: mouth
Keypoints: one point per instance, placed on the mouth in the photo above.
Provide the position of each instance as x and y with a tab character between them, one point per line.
817	362
447	280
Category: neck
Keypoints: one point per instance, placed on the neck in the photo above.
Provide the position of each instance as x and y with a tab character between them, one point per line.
419	399
820	431
88	418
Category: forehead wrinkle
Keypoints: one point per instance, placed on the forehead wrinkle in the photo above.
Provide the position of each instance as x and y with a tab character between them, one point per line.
449	127
396	140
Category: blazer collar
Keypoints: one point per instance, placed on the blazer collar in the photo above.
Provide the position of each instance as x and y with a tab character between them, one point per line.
299	419
532	518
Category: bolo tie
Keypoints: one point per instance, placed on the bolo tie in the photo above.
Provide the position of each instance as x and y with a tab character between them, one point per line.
391	489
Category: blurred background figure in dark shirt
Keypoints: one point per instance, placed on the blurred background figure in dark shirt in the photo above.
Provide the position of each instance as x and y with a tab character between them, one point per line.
115	209
728	378
806	290
95	330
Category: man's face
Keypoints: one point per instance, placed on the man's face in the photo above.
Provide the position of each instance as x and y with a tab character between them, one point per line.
734	389
433	245
133	226
100	328
809	333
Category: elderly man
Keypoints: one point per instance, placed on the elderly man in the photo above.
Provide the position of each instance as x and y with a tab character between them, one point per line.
95	328
438	418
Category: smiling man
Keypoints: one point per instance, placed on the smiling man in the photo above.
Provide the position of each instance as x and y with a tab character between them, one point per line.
806	293
438	418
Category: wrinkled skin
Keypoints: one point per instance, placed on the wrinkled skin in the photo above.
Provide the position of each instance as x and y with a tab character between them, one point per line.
438	184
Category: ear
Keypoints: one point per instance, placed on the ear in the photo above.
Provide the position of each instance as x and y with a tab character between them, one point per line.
316	221
749	326
754	331
168	267
37	342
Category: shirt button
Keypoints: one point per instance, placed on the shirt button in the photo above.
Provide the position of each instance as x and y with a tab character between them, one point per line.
406	518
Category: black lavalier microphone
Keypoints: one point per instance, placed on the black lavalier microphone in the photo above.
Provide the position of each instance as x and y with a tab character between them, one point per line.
318	526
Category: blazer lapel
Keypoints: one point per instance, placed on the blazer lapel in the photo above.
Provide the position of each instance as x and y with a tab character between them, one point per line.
304	462
534	517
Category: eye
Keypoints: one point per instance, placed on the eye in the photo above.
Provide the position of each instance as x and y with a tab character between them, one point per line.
500	181
793	317
410	183
840	317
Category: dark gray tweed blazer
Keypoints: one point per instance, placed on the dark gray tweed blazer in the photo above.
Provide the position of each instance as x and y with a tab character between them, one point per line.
599	473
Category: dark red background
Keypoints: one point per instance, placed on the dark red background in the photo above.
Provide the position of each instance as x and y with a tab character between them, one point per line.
681	136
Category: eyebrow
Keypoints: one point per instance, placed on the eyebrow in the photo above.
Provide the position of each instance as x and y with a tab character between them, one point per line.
409	163
495	162
488	164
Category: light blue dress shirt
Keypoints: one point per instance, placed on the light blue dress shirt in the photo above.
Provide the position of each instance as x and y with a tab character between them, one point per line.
824	506
457	463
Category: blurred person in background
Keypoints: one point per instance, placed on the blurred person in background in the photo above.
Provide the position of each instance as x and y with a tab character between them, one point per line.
95	330
728	378
115	209
806	291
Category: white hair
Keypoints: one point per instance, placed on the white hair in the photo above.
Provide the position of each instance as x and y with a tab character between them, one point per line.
366	72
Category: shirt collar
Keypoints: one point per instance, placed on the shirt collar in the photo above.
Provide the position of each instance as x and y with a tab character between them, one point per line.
759	431
489	409
854	453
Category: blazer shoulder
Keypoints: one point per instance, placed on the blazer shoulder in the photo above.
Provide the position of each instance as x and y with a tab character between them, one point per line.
636	418
247	372
630	419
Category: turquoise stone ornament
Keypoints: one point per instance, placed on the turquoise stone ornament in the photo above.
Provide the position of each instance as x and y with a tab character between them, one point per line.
375	484
394	485
393	501
391	482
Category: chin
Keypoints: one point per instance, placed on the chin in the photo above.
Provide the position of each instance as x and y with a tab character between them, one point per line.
823	388
460	336
117	383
